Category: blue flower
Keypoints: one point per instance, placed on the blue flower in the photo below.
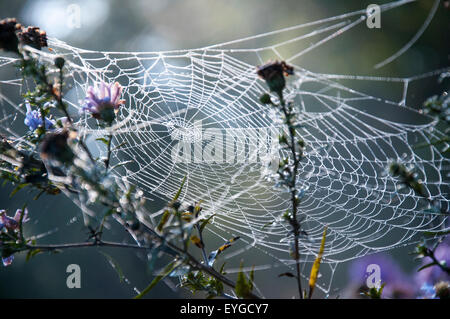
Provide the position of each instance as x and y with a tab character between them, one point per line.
7	260
33	119
12	223
428	291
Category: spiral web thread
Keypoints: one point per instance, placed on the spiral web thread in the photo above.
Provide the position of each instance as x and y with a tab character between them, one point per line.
349	144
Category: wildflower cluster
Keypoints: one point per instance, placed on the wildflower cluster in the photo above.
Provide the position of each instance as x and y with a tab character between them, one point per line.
54	159
434	274
408	178
438	106
11	236
13	35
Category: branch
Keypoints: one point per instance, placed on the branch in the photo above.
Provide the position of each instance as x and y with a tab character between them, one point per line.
295	224
98	243
82	245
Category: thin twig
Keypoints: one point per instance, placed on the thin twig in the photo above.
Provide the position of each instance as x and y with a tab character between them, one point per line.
109	151
295	224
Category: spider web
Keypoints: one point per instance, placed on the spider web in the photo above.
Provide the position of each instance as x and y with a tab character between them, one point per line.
174	98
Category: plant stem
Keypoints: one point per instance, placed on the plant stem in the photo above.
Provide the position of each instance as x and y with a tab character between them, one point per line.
83	245
99	243
295	224
108	156
437	262
200	235
41	110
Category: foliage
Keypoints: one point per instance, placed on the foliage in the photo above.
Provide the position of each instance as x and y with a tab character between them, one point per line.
53	159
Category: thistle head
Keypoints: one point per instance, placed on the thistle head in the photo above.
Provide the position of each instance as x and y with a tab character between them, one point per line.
34	37
103	101
274	73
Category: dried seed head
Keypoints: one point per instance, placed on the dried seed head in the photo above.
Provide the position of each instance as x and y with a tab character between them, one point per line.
34	37
274	73
8	37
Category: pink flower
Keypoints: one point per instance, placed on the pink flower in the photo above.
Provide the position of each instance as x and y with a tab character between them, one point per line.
103	101
12	223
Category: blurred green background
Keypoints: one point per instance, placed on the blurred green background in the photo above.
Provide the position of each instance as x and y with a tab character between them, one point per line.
113	25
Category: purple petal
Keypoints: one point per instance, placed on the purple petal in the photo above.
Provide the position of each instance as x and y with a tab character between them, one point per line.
116	91
18	215
7	260
104	90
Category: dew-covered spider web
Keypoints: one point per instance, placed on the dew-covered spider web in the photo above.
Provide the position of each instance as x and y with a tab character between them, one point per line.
186	103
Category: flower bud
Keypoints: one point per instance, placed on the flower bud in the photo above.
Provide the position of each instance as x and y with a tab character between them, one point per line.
55	147
59	62
265	99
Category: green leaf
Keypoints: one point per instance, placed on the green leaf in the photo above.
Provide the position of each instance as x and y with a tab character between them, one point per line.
179	190
316	265
163	221
163	274
439	233
31	253
206	222
426	266
103	140
243	287
252	278
287	274
18	188
268	224
119	146
213	255
197	242
375	293
115	265
39	194
222	269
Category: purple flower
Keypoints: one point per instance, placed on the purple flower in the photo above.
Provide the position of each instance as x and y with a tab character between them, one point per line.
7	260
397	283
434	274
12	223
103	101
33	119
